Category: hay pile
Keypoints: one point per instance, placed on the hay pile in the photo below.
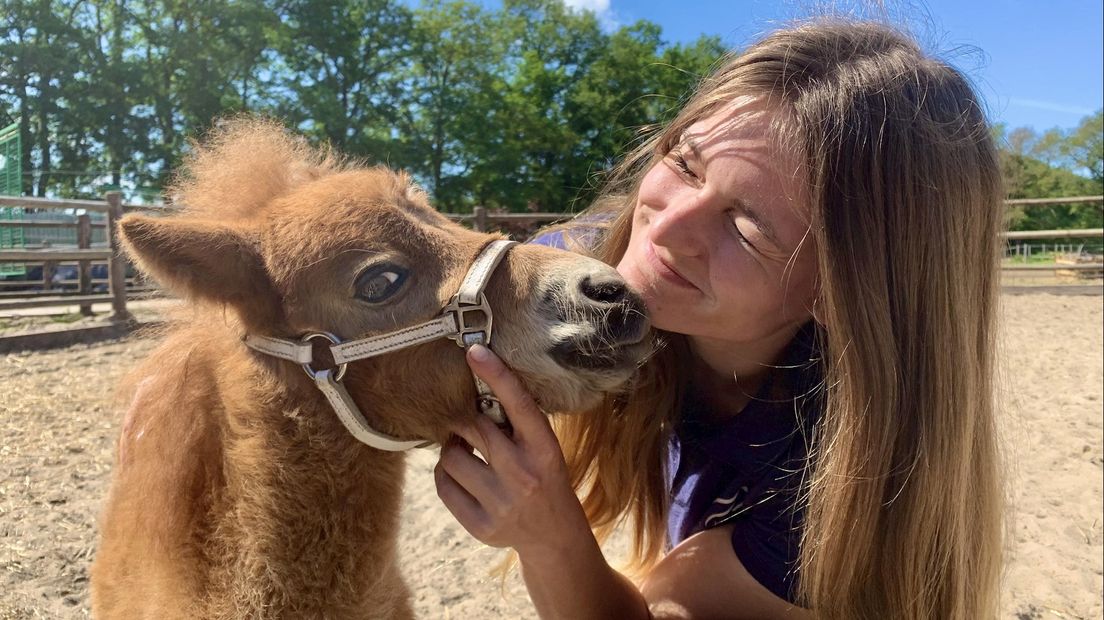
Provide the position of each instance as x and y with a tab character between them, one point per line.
58	427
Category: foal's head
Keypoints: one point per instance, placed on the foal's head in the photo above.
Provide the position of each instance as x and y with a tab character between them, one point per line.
293	242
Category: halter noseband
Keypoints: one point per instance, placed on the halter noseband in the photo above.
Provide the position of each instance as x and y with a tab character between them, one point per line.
451	323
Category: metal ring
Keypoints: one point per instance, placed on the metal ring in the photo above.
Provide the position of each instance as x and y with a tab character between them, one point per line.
312	373
485	401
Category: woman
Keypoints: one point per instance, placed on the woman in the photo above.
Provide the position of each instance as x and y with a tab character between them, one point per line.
816	238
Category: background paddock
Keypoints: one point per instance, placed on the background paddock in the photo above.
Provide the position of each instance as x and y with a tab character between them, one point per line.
58	426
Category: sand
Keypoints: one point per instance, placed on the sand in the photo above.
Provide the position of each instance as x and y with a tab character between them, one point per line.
58	424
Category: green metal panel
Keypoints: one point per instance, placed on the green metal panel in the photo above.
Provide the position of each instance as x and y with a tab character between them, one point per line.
11	184
11	161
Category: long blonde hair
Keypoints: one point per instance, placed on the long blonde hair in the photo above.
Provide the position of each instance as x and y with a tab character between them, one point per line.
904	496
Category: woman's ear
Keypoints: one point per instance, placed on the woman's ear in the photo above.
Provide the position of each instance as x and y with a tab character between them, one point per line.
207	261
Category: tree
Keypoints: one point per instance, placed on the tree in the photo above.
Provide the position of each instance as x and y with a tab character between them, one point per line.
194	59
345	60
516	108
40	44
1046	166
522	160
635	83
1085	148
456	52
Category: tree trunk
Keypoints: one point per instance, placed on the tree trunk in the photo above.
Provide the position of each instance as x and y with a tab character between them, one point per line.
43	138
25	140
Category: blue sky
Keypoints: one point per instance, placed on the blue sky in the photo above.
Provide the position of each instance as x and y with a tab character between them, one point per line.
1037	63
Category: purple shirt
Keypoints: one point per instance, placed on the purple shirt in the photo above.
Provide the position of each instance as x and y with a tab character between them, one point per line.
747	469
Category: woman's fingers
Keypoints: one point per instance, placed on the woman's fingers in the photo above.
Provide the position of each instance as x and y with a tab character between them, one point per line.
518	496
530	424
475	476
461	504
491	442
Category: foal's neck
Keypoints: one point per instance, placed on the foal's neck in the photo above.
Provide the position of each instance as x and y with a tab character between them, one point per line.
310	515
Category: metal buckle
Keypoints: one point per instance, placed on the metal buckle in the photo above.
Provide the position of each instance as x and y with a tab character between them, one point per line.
466	336
312	373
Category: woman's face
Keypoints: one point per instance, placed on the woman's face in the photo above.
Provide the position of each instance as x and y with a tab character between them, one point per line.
720	247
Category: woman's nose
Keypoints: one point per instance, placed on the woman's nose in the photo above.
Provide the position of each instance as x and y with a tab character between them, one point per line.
680	226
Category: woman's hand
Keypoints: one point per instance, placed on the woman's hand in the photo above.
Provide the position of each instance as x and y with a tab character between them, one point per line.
521	496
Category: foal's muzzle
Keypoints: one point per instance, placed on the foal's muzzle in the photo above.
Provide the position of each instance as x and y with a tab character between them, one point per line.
617	317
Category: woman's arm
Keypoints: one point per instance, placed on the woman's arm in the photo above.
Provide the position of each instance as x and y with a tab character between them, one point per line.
521	497
703	578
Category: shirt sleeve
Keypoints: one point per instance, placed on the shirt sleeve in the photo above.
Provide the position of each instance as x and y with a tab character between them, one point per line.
582	234
554	239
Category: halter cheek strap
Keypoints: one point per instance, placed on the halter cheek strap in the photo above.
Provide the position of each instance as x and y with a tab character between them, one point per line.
452	323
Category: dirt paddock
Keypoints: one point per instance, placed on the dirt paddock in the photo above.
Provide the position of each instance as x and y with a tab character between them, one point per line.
58	424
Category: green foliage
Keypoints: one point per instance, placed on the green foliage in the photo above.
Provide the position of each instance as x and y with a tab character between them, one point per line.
1085	147
520	107
516	108
344	60
1053	164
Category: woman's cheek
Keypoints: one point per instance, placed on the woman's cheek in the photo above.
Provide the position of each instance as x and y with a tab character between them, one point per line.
629	268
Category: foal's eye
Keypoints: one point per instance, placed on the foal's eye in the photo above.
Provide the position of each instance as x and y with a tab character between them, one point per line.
379	282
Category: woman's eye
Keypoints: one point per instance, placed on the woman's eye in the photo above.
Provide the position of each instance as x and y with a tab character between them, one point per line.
743	239
741	236
683	167
377	284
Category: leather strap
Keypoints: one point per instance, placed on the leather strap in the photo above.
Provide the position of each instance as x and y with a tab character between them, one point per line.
471	292
291	350
450	324
378	345
480	271
354	421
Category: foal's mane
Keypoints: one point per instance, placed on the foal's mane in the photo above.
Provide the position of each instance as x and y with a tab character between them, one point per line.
253	160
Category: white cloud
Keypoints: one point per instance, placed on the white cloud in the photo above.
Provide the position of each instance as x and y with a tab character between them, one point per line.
1050	106
598	6
601	10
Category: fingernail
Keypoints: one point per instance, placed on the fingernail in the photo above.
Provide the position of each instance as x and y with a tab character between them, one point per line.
479	353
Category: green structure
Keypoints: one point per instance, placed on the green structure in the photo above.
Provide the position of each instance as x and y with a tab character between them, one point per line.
11	184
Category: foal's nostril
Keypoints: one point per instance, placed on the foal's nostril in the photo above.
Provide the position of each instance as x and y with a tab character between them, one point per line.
603	289
619	312
627	321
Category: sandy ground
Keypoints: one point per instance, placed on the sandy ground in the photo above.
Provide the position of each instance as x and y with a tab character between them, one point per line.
58	424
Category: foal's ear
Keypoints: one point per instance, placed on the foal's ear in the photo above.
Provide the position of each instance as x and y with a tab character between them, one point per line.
204	260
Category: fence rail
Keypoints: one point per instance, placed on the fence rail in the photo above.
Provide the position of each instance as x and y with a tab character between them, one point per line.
480	219
1054	234
46	223
69	300
1055	267
84	255
52	255
97	206
1043	202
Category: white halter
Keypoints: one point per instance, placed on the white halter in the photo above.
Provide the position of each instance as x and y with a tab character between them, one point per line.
451	323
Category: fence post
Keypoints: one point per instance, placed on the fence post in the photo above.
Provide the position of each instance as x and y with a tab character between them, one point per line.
480	219
116	265
84	267
49	268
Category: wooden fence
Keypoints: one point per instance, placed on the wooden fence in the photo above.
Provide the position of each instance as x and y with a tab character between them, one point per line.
84	255
480	219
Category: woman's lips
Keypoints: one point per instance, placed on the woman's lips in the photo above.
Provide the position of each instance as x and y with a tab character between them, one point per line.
664	270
